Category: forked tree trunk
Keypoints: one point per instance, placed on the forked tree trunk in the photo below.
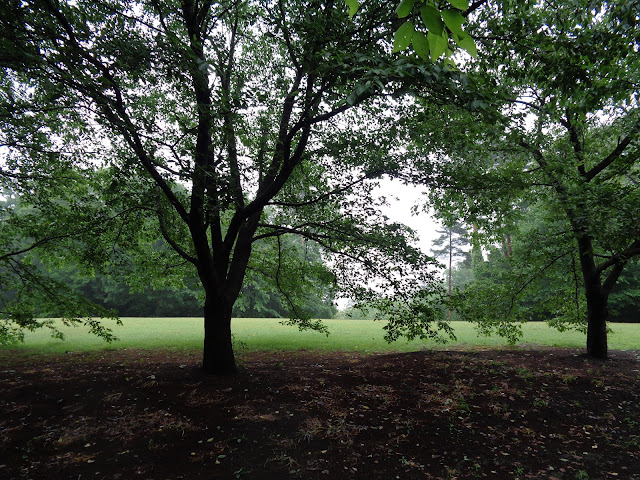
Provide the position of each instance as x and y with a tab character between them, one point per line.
218	357
220	295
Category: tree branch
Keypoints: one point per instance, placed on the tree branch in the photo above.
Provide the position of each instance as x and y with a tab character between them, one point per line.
324	196
473	7
574	138
631	251
615	154
168	238
230	140
540	272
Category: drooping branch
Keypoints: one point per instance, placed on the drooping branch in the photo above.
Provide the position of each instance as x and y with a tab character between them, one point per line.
167	236
34	245
325	241
631	251
616	153
324	196
91	228
534	277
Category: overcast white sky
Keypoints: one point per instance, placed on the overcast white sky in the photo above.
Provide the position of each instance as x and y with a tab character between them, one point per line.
401	200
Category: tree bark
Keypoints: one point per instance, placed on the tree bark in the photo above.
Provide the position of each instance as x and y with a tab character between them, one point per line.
597	299
218	357
450	262
597	313
507	246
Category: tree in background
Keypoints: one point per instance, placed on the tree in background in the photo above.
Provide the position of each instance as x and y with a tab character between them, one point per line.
540	280
451	243
555	124
274	116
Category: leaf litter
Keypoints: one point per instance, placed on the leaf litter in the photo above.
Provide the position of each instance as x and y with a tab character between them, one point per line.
500	414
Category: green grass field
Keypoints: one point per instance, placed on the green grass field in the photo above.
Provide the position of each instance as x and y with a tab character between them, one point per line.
268	334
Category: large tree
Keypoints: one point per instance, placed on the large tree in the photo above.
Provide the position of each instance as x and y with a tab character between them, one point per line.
252	106
564	133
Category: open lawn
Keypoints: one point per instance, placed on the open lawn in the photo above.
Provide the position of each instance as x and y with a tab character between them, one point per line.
270	335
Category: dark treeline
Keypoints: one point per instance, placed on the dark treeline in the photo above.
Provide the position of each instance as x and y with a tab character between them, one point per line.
256	301
116	289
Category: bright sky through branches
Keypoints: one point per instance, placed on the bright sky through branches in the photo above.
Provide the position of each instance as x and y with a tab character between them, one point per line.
402	199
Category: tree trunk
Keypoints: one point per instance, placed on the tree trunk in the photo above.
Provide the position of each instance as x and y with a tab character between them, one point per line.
506	246
597	299
218	357
450	262
222	280
597	313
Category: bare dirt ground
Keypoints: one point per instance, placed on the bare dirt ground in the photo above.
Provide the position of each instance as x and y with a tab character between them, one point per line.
497	414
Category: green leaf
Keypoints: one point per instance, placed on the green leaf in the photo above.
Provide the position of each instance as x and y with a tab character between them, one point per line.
437	45
432	19
421	45
466	42
353	7
403	36
453	20
405	7
459	4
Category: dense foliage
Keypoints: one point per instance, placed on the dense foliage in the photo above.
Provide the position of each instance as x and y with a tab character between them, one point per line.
221	127
550	155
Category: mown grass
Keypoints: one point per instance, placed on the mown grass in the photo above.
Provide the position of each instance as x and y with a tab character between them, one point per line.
269	334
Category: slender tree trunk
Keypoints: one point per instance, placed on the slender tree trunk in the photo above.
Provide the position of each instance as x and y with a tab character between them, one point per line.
506	246
476	252
218	357
597	299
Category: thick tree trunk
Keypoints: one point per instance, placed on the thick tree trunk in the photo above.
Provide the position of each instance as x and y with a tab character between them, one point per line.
222	280
218	357
597	298
597	313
